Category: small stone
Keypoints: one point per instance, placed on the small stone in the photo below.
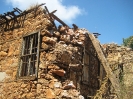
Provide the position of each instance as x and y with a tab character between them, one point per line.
39	86
0	47
59	72
57	84
69	86
11	50
80	43
9	72
14	64
16	52
14	74
42	66
58	92
74	92
50	94
51	57
45	46
57	34
128	49
29	95
48	77
24	95
42	81
2	53
53	67
33	86
51	85
81	97
23	85
35	82
64	93
48	40
2	76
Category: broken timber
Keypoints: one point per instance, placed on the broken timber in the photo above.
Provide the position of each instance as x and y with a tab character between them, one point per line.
59	20
51	17
111	76
10	20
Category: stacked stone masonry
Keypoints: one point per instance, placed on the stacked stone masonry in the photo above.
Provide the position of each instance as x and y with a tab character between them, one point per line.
64	71
60	64
120	59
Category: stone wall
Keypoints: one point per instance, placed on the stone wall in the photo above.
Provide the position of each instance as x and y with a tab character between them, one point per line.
120	59
60	67
10	46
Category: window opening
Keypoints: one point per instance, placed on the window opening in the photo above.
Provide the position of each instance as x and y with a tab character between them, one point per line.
29	59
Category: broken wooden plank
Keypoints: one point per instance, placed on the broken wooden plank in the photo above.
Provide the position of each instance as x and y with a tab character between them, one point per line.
59	20
112	78
51	17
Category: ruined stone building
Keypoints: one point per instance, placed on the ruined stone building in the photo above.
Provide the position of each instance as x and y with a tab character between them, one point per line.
39	60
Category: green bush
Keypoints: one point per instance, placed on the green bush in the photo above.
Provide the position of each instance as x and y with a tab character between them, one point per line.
128	42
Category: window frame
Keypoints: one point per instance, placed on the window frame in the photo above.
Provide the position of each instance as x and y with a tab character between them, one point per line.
86	63
36	64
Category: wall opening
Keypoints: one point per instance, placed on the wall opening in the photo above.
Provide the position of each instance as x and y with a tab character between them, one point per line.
29	58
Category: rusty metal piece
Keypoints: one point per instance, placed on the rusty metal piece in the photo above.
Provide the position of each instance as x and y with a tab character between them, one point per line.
96	35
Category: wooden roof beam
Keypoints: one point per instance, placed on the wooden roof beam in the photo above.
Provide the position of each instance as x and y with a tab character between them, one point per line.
17	10
51	16
59	20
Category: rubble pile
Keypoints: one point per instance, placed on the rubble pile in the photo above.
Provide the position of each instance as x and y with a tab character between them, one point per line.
120	59
59	59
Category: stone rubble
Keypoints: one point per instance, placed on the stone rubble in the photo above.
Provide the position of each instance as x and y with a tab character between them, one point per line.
120	59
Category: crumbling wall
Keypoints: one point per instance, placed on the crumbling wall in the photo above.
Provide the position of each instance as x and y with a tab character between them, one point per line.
10	47
60	67
120	59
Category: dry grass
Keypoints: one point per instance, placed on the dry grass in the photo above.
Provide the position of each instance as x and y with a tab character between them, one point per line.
102	89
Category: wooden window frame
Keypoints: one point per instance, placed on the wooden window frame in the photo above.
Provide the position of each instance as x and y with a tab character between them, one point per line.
29	57
85	77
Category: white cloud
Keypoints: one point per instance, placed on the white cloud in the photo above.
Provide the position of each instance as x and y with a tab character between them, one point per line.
66	13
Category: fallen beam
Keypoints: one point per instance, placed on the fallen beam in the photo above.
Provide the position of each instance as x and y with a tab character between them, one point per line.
111	76
59	20
51	17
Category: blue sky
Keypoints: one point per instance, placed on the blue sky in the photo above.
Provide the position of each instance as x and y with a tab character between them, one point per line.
113	19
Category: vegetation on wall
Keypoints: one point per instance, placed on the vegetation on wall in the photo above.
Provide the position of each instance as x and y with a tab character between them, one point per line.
128	42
